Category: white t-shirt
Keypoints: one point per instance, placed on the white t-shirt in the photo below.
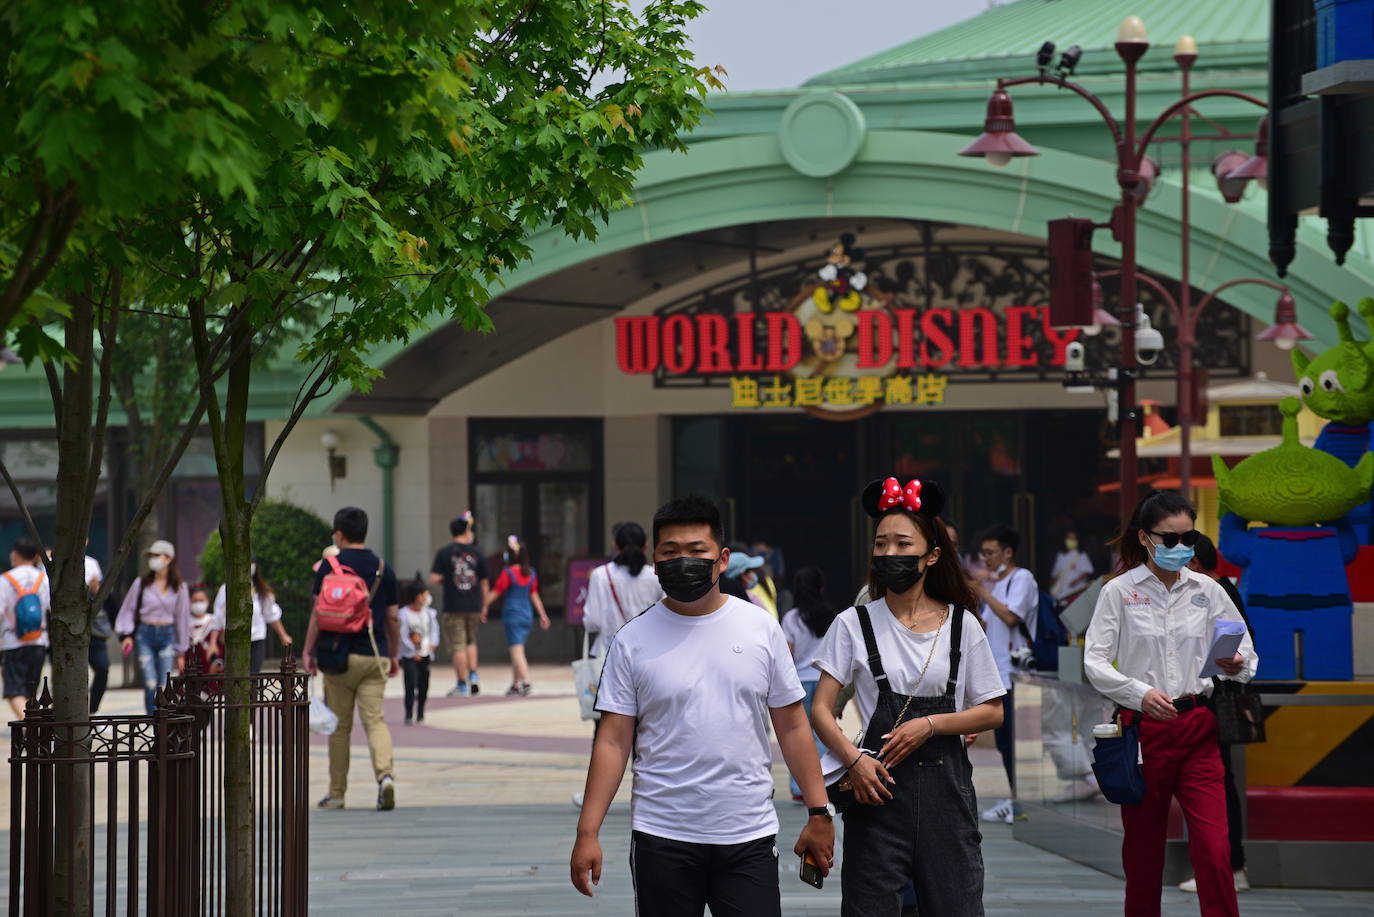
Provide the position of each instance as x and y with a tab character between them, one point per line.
603	614
25	576
264	612
425	623
1019	593
804	645
701	688
842	655
1072	572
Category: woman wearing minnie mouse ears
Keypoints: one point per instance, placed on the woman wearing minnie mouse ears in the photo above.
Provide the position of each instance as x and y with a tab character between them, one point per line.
924	677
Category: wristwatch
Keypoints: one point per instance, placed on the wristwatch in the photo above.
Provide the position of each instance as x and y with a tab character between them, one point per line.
828	810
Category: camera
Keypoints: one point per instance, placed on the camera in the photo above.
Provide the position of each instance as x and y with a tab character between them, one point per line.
1149	343
1074	357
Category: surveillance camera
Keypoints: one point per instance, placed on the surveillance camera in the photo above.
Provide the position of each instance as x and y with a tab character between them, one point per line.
1149	343
1073	357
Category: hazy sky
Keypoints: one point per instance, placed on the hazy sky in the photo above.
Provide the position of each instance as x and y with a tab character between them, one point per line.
778	44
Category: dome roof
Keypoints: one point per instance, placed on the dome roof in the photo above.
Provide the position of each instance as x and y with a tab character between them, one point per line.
1231	34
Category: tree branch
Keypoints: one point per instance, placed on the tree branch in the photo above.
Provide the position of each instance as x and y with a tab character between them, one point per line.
28	519
297	411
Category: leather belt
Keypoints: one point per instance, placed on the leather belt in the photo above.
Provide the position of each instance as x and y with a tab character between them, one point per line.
1187	702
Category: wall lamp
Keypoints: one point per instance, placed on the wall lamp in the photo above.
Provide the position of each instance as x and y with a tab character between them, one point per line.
338	464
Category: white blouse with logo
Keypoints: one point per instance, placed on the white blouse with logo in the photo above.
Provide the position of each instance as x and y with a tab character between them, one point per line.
1157	637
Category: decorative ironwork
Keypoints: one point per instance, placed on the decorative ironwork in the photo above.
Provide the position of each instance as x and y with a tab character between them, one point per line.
961	276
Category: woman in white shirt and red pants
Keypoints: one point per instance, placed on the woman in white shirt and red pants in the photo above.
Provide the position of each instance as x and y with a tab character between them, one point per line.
1154	620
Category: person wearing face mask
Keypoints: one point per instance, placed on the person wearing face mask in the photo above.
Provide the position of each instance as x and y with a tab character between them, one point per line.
154	622
206	640
266	612
1010	599
691	686
1147	643
1072	571
924	678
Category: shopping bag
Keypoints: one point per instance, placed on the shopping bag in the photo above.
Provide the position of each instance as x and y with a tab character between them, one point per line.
1240	717
586	677
322	719
1116	764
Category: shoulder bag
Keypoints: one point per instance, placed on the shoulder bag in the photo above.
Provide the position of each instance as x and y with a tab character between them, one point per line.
1116	764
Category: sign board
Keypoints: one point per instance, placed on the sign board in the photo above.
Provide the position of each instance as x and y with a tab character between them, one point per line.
579	575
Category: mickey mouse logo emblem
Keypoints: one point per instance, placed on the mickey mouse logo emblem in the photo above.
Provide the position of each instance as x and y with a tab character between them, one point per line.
737	648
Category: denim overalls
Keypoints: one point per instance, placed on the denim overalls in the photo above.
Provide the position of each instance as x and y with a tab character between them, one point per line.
927	833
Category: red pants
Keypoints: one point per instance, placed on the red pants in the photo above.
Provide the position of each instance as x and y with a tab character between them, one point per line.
1181	760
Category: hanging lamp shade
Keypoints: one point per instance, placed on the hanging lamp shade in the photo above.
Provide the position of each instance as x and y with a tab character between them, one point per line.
1257	166
999	142
1285	332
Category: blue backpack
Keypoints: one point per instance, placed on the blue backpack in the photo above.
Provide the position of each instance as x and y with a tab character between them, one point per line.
28	609
1050	635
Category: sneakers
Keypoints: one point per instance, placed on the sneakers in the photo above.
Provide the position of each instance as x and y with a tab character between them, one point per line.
1006	811
459	690
1242	880
330	802
410	720
577	800
386	794
1081	789
525	689
472	680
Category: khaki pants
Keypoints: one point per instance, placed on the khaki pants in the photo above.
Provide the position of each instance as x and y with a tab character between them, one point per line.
363	684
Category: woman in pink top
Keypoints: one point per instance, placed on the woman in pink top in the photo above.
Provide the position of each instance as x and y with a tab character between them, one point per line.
155	619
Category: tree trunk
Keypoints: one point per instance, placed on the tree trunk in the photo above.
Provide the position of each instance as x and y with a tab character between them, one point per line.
69	623
228	434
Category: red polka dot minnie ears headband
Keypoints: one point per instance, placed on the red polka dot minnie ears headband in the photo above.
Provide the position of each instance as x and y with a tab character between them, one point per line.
884	496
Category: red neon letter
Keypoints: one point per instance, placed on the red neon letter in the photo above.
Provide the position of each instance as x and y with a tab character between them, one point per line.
749	361
875	339
1020	346
968	335
636	344
934	324
1060	340
906	338
679	344
713	344
783	327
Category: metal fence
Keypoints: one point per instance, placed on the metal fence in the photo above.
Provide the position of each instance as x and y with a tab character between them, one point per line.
130	779
152	792
277	706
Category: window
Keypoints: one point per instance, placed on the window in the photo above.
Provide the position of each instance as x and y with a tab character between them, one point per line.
1251	420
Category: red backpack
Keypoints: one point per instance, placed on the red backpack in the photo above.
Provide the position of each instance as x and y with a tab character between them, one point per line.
344	605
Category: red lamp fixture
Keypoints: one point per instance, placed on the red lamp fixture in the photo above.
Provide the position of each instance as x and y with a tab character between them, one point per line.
1257	166
1101	317
1223	170
1285	332
1148	173
999	142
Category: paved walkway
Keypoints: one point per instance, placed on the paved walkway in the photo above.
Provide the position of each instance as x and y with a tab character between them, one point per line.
483	826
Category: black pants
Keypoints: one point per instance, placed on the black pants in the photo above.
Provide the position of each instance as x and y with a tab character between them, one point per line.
99	658
1235	825
416	675
680	879
1006	738
257	655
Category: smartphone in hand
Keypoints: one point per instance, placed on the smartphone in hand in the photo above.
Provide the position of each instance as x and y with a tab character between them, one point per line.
810	872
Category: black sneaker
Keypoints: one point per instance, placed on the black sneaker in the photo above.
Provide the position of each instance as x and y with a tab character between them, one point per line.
409	721
386	794
474	688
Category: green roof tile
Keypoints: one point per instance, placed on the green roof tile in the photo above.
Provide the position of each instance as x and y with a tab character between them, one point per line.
1225	29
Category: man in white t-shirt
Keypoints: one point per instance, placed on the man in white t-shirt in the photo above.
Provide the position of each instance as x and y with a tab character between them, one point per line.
1010	599
690	687
23	639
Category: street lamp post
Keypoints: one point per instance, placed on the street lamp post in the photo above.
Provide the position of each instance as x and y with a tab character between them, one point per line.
999	143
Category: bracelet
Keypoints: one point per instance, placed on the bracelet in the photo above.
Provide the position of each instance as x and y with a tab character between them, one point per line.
856	760
932	725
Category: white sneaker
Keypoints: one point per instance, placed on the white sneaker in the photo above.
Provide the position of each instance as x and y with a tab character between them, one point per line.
1085	788
1003	812
577	800
1242	883
386	794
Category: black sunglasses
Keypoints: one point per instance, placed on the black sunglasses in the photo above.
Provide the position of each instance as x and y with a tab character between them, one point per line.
1171	539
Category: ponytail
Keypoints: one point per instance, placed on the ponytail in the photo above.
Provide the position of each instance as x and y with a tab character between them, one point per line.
630	540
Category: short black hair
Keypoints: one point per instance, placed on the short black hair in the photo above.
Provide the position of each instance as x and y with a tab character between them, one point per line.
412	589
1003	534
458	526
351	523
1206	553
690	510
26	548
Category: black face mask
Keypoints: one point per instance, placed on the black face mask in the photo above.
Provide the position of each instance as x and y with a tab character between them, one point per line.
898	572
686	579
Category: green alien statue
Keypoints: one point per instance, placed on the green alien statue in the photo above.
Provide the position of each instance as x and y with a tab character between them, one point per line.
1339	385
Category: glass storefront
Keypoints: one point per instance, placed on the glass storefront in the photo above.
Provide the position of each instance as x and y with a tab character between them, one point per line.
540	477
